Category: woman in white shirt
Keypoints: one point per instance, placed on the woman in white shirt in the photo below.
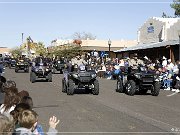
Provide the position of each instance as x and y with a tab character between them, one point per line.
10	101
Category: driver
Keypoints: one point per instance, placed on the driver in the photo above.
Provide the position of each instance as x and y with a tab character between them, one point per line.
135	62
78	61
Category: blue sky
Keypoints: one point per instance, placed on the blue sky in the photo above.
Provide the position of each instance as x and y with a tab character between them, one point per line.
45	21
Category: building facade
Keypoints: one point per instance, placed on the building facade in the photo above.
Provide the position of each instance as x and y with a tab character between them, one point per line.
158	29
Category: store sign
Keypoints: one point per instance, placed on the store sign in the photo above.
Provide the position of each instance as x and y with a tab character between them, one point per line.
150	29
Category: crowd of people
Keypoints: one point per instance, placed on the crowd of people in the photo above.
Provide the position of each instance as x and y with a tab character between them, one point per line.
169	73
17	116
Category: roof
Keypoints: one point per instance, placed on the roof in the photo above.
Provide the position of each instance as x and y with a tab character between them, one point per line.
104	43
4	50
150	45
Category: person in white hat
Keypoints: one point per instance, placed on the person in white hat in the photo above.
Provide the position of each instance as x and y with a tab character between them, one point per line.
164	62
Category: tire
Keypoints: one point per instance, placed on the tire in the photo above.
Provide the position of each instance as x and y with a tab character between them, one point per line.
95	91
70	89
130	88
156	89
27	70
32	77
61	71
63	86
16	70
50	77
53	70
119	86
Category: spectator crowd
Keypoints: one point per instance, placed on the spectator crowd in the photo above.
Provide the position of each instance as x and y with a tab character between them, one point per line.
168	72
17	116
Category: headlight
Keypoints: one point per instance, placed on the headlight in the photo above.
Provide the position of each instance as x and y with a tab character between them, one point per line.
93	75
137	76
36	69
75	75
47	69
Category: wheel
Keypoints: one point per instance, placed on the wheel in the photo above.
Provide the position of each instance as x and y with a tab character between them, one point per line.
155	90
61	71
63	86
70	89
53	70
32	77
130	88
119	86
49	77
95	91
16	70
27	70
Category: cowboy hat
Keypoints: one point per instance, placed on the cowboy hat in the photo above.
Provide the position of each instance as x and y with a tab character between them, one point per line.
116	67
145	57
164	58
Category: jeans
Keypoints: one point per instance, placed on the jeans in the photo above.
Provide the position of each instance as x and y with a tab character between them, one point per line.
167	83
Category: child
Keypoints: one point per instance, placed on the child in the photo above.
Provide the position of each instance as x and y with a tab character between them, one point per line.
28	122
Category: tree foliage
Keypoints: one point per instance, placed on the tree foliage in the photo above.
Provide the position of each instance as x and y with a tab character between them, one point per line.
16	52
40	49
84	36
66	51
176	7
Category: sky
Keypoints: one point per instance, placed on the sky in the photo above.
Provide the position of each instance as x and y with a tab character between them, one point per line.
46	20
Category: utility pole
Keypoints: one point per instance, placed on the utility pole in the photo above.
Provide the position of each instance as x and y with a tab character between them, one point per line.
22	38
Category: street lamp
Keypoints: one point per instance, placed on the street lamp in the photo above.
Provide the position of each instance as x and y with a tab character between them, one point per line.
109	43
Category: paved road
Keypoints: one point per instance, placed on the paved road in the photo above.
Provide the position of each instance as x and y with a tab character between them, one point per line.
109	112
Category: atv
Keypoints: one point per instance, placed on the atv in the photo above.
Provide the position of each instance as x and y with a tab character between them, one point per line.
12	63
41	70
138	81
58	65
81	79
22	65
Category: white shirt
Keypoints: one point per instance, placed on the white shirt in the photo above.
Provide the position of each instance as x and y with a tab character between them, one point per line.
7	112
164	63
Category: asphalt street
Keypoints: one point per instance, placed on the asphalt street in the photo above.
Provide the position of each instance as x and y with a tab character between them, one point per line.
107	113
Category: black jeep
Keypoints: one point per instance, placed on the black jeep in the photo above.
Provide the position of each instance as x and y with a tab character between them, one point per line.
138	81
80	79
22	65
40	70
58	65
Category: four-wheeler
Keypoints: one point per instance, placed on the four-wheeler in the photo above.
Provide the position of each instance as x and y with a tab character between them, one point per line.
40	70
22	65
139	81
58	65
80	79
12	63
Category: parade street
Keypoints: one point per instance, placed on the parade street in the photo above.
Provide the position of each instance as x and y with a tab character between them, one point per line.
107	113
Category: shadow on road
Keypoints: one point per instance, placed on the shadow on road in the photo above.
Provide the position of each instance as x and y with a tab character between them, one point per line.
45	106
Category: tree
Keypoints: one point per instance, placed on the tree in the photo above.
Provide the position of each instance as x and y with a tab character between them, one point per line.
40	49
176	7
84	36
16	52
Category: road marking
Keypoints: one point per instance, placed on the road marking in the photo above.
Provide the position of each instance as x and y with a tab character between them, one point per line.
172	94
